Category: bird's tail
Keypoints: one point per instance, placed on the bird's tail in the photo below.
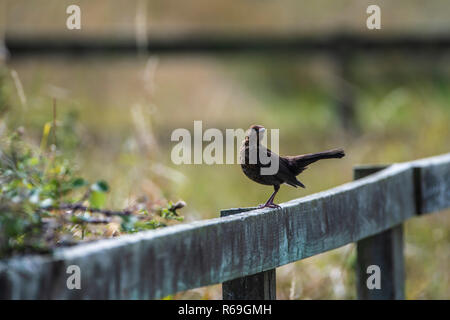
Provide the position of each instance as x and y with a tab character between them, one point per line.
299	163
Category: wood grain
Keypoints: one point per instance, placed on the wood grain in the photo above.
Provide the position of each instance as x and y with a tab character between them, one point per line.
432	183
384	250
259	286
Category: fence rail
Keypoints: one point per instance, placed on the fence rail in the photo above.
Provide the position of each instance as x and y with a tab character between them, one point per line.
223	43
242	250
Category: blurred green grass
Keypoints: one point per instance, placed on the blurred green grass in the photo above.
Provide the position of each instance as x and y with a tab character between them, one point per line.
115	117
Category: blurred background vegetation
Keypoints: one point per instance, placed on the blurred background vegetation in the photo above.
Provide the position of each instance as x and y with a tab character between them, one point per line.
115	114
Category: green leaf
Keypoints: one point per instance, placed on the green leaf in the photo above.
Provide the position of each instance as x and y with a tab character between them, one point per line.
79	182
128	223
33	161
34	196
46	203
100	186
79	219
97	199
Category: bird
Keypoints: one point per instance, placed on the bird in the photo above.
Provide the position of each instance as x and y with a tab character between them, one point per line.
289	167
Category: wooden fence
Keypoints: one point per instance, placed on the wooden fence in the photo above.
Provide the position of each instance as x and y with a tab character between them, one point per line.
243	249
340	47
215	43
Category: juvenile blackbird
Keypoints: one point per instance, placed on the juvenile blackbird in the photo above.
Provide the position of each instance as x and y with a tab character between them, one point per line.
288	167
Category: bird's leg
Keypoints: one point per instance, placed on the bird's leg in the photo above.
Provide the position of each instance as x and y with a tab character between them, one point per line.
269	203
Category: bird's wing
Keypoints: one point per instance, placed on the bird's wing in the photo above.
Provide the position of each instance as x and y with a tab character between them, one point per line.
285	174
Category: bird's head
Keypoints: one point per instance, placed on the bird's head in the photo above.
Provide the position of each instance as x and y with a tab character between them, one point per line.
256	131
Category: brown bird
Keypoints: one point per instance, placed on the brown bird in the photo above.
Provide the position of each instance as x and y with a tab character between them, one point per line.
289	167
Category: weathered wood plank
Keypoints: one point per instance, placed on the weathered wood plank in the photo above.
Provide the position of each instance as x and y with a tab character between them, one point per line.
229	212
156	263
260	286
432	183
384	251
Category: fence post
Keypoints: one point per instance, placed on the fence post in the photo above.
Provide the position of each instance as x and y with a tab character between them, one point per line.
344	91
259	286
384	250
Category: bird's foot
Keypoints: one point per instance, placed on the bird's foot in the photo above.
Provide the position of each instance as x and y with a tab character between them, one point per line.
269	205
